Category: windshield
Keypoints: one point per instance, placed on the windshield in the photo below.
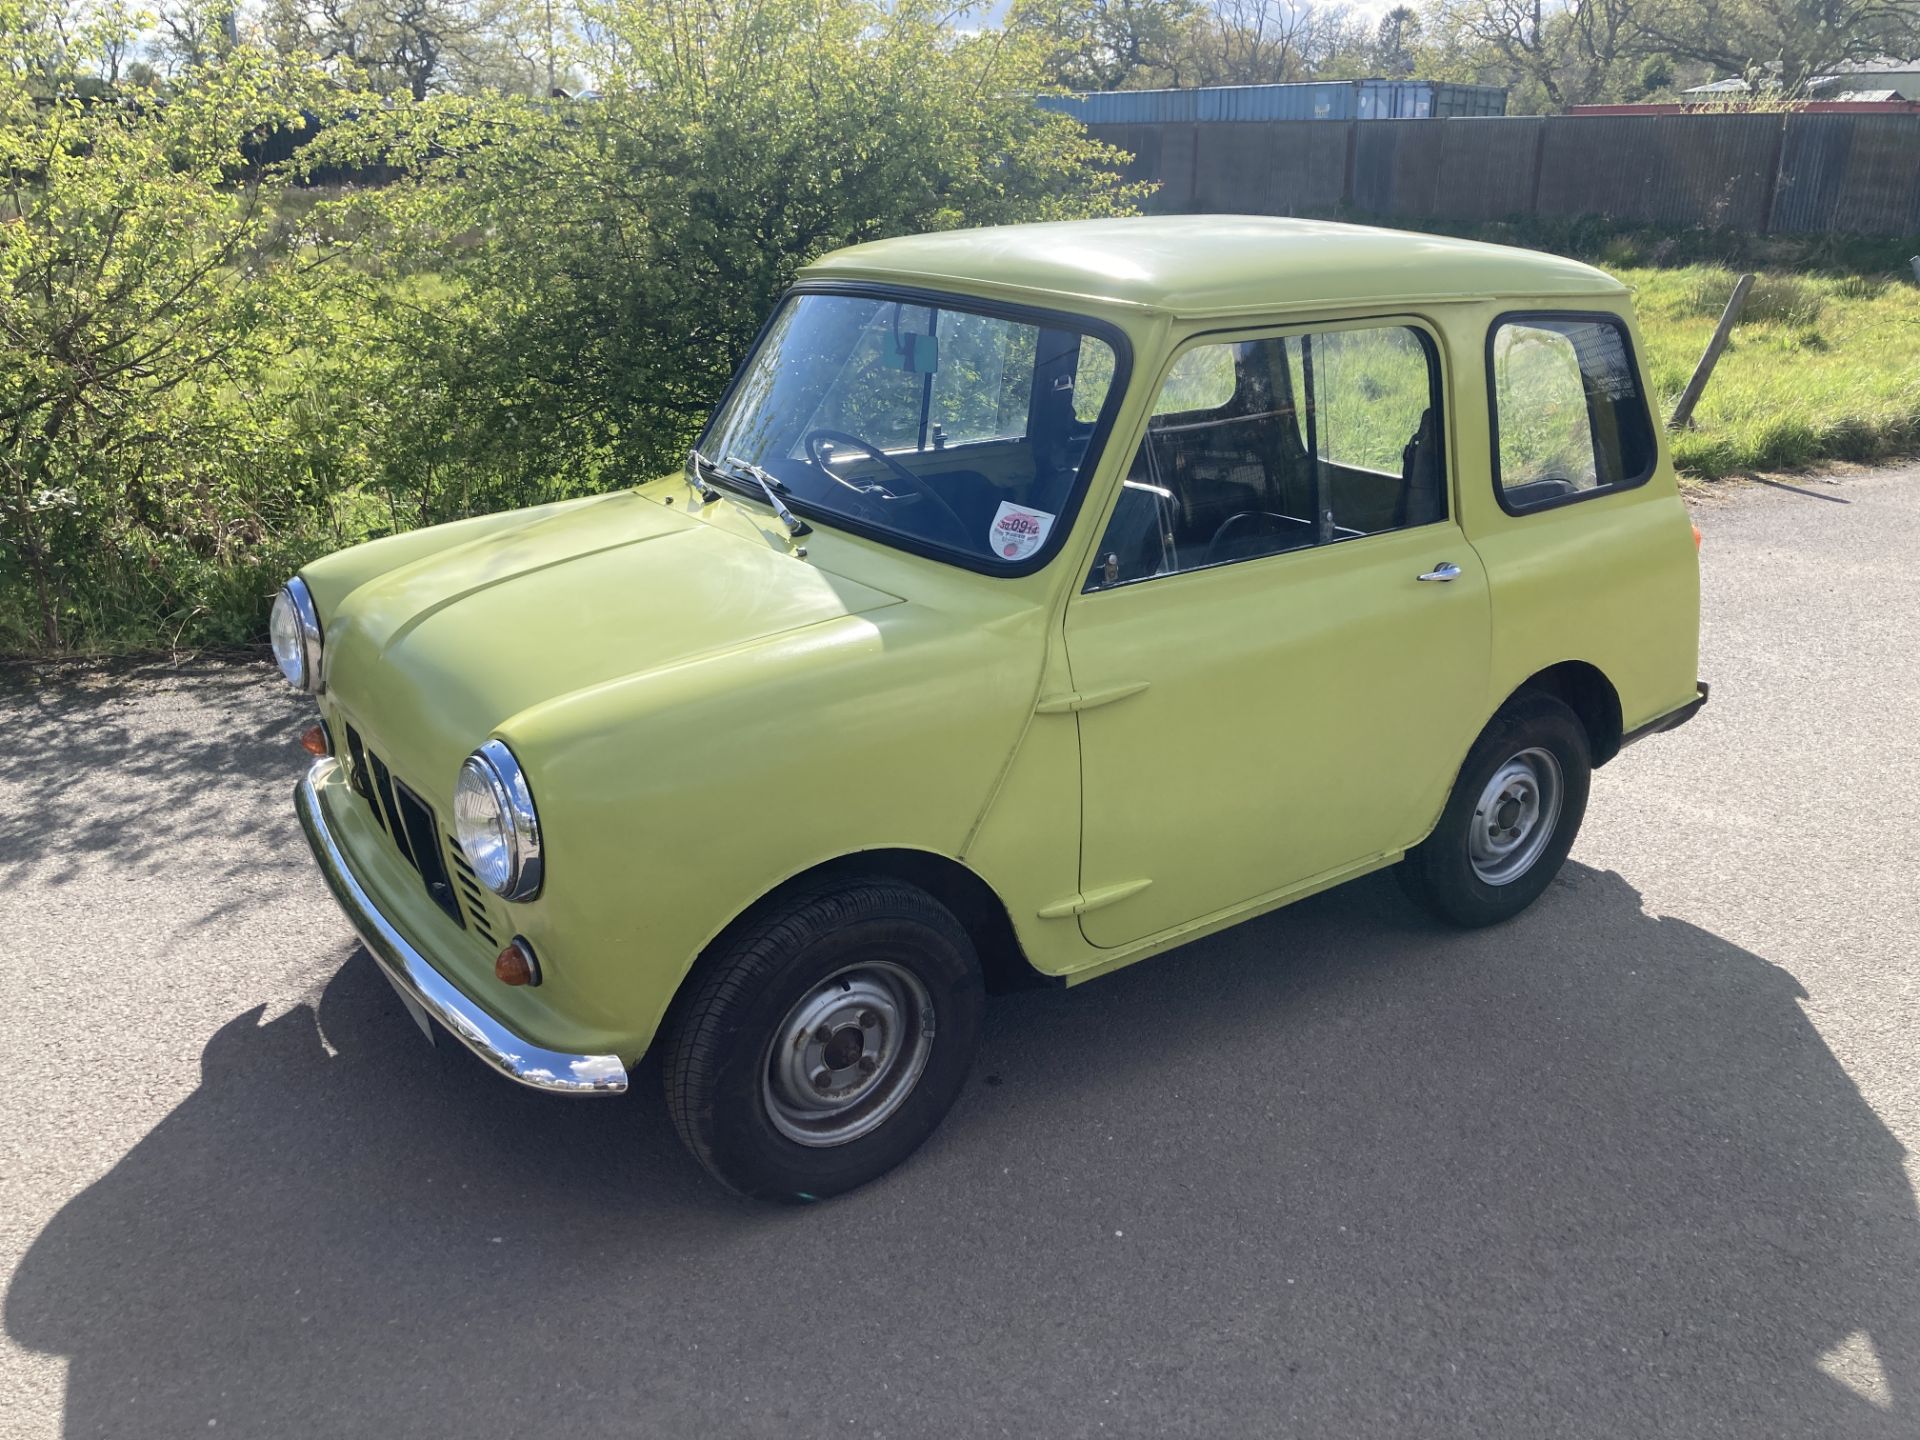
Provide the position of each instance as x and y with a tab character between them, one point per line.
928	423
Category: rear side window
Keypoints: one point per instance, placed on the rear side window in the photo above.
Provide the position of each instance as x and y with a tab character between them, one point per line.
1569	419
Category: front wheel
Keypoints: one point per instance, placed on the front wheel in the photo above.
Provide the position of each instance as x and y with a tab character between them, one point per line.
826	1040
1511	819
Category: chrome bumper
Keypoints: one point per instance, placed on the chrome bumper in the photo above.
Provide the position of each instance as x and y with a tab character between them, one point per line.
419	982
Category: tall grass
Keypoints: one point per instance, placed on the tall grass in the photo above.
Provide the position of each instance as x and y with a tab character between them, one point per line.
1819	367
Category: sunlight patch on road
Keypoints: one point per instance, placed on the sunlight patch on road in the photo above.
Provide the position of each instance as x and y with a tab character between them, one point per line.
1856	1364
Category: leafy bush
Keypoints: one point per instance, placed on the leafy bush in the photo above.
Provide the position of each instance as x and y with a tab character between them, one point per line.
208	376
602	268
145	286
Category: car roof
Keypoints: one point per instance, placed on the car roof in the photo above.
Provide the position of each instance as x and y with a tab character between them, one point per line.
1207	265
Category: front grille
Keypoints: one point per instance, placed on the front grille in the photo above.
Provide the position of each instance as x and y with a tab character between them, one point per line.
409	823
471	898
358	775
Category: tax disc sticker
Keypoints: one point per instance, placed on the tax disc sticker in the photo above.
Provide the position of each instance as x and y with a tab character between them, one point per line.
1017	532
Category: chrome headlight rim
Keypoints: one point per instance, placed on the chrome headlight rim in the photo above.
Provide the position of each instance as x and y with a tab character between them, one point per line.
495	765
299	601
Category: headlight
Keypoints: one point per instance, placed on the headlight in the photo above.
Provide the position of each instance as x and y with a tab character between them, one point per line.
494	822
295	630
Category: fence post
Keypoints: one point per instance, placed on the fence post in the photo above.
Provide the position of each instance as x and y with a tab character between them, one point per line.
1353	150
1690	397
1773	176
1539	163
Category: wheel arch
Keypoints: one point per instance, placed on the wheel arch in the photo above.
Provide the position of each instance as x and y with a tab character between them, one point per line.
1584	689
972	900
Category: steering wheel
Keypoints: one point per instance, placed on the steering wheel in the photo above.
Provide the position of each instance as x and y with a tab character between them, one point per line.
1233	524
816	441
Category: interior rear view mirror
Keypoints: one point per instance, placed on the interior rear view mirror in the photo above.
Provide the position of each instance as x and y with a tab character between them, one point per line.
917	354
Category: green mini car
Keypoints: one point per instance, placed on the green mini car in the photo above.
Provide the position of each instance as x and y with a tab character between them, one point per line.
1036	599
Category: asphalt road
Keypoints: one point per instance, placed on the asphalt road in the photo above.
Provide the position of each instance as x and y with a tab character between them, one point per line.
1634	1165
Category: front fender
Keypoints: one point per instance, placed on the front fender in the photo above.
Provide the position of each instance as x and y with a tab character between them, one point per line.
670	802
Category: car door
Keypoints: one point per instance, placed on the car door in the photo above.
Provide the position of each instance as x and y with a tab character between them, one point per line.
1279	656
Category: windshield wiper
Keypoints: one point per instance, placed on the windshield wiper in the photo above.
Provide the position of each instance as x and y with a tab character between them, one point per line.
707	493
736	469
770	486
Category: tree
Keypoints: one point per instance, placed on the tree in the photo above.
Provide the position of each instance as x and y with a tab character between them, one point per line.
1107	44
1793	40
1555	53
1263	42
1551	53
1397	33
417	47
192	33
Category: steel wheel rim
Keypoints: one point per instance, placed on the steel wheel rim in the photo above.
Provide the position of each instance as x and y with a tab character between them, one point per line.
1515	817
848	1054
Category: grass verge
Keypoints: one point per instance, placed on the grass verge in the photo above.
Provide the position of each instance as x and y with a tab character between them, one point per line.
1819	368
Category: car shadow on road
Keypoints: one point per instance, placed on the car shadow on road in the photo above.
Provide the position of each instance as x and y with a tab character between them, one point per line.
1334	1172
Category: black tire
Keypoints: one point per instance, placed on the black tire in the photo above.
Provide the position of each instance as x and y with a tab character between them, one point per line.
1440	872
721	1085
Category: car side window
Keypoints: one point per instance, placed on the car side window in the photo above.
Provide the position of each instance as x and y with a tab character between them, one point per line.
982	388
1568	415
1257	447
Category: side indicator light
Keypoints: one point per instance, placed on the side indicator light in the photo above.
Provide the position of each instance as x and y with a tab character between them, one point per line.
1696	537
516	964
314	742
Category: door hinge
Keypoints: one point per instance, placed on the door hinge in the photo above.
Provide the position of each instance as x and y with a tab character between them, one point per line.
1092	899
1087	699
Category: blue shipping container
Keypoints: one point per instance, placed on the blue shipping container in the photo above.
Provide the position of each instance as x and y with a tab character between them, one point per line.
1333	100
1314	100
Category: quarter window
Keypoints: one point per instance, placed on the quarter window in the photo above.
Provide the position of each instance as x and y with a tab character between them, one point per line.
1568	414
1204	378
983	387
1257	447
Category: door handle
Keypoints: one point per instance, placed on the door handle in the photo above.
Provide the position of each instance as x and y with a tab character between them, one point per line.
1445	570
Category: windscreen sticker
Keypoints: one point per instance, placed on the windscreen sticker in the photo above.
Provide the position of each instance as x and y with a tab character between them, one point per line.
1017	531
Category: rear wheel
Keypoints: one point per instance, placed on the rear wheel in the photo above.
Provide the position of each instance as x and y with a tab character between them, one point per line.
1511	819
826	1041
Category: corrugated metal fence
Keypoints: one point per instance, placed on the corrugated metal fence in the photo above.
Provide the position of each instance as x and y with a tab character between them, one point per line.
1798	174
